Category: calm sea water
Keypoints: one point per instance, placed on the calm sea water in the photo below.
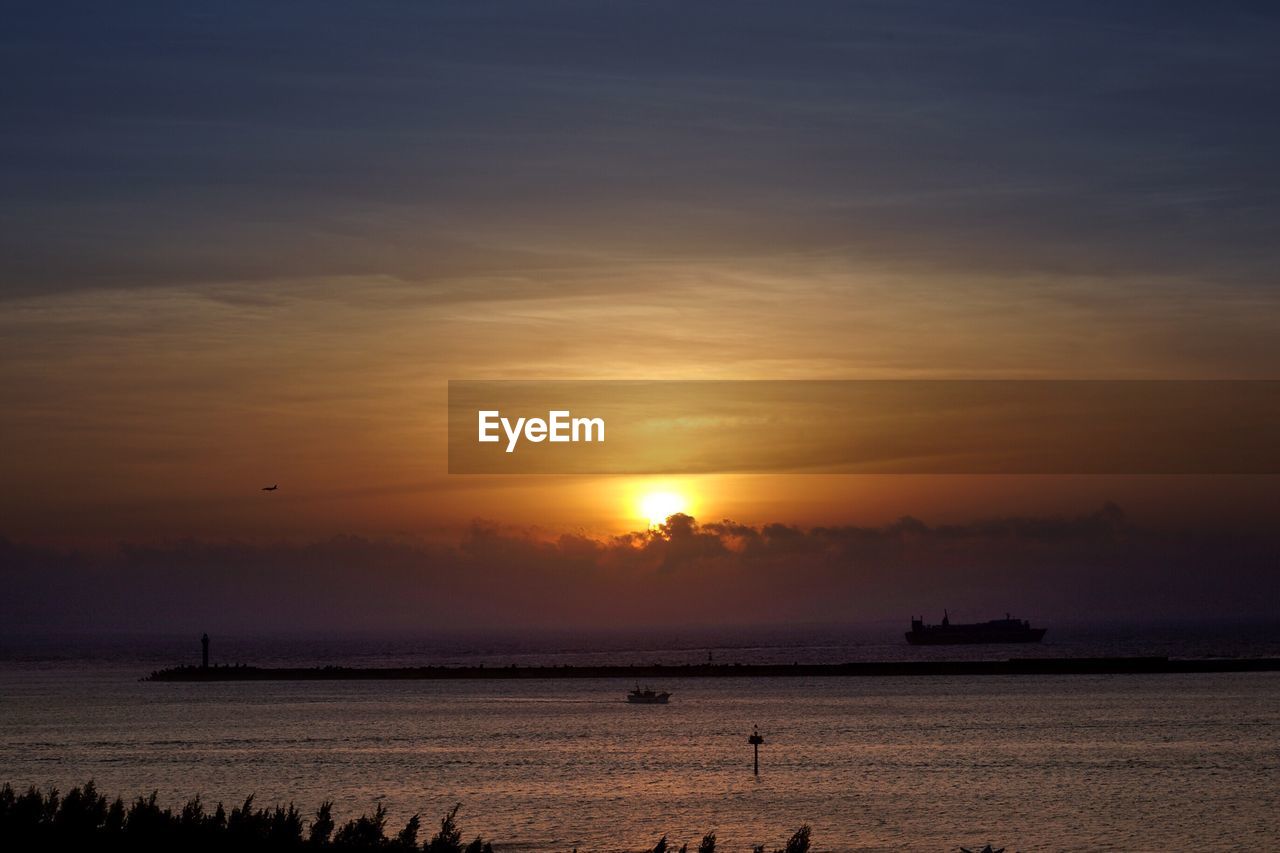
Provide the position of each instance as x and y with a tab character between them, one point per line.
1036	763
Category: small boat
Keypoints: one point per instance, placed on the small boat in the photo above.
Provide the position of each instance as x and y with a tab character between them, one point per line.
647	697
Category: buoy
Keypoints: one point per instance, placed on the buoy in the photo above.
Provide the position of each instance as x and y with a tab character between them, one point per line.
755	740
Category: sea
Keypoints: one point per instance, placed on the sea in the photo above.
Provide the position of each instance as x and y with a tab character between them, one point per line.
1025	762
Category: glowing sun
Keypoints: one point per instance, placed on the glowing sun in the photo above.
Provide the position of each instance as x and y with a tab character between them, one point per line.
657	507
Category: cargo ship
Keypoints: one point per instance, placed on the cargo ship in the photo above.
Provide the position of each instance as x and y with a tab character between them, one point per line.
1006	630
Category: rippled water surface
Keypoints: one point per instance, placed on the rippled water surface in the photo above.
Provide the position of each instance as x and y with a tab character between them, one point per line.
1154	762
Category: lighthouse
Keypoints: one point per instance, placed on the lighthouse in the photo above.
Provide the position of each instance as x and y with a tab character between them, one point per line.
204	652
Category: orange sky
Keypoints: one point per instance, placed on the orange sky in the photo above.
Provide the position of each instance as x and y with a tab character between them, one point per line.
159	413
261	260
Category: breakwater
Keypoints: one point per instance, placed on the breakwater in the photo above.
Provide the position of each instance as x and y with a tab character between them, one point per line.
657	672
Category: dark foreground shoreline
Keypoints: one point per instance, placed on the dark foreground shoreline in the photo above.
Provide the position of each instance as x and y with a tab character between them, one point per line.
86	821
655	672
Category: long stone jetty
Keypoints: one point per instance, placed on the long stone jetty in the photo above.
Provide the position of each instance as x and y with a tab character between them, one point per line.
659	672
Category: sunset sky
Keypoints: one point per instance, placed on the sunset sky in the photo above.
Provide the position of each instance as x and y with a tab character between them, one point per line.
244	244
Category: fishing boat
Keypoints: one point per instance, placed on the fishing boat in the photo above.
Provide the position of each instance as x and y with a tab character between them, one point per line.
647	696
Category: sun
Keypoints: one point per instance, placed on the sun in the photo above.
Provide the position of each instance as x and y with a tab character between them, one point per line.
655	499
657	507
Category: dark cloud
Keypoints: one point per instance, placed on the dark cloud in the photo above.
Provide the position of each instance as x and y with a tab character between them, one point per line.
152	143
1092	566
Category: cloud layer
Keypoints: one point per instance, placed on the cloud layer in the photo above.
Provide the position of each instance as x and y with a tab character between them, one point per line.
1091	566
157	145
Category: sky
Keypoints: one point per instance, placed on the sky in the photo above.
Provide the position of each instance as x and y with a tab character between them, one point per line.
243	244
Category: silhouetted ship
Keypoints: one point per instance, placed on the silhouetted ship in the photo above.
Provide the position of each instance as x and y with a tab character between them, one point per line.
1006	630
647	697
